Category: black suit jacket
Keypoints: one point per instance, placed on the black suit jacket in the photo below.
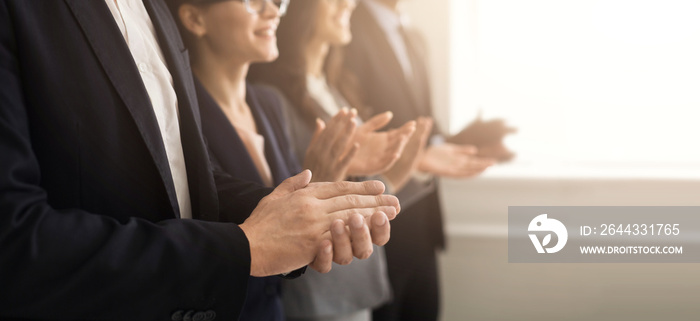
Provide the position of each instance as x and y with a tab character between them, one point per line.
385	88
88	212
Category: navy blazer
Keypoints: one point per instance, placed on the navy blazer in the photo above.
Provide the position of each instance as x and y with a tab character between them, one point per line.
227	148
88	212
263	300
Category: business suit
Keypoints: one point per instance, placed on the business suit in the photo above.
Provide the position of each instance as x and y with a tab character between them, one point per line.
418	233
88	212
263	300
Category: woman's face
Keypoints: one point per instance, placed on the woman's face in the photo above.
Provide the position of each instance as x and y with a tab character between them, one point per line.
233	32
333	21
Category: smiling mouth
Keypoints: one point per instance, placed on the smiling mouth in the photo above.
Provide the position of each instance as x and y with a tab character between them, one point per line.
267	32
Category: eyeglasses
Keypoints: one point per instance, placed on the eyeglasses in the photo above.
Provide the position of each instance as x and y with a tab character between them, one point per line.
255	6
352	2
259	6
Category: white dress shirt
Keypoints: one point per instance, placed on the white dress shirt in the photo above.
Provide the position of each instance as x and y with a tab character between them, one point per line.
320	91
137	28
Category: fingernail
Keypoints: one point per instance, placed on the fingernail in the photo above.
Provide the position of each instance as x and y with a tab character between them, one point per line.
339	229
380	220
328	249
356	222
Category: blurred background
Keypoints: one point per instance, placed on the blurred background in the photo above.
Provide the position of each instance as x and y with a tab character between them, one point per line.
606	97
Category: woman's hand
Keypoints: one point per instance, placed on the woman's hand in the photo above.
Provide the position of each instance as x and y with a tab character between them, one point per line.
378	151
399	174
452	160
331	149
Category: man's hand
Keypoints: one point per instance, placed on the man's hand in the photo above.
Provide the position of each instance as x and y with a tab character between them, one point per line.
452	160
379	150
352	241
291	227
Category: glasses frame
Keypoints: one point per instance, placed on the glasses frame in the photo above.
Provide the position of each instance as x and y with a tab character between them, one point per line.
284	5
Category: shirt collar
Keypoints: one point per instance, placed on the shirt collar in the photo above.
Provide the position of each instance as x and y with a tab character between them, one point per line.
388	19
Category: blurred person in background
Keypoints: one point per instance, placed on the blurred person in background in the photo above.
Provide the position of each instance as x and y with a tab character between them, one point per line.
310	75
389	60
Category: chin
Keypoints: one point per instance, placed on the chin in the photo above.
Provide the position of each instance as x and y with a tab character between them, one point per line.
267	57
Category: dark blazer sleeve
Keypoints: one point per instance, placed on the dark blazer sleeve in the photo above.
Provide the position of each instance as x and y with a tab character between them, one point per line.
74	265
236	198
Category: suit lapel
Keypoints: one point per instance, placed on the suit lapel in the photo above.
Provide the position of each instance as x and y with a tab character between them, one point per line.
273	155
201	182
113	54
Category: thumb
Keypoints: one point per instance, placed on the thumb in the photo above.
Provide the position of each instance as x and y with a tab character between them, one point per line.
292	184
378	121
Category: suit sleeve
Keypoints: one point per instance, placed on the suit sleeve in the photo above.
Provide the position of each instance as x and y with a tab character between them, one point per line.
71	264
236	197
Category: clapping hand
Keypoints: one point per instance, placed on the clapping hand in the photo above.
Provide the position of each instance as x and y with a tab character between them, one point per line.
399	174
298	224
332	147
378	151
455	161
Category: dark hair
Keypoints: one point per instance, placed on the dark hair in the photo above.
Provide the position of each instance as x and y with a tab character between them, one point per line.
188	39
288	72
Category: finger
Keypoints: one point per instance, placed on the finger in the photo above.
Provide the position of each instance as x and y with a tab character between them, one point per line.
328	190
473	167
342	247
345	215
401	136
339	126
339	116
343	139
320	126
331	129
423	128
292	184
350	202
324	259
380	228
361	237
407	129
378	121
480	162
466	149
428	126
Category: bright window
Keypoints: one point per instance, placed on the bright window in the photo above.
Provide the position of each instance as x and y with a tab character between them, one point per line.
584	80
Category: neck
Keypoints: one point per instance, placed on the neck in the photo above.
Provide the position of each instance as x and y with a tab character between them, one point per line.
316	53
223	79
